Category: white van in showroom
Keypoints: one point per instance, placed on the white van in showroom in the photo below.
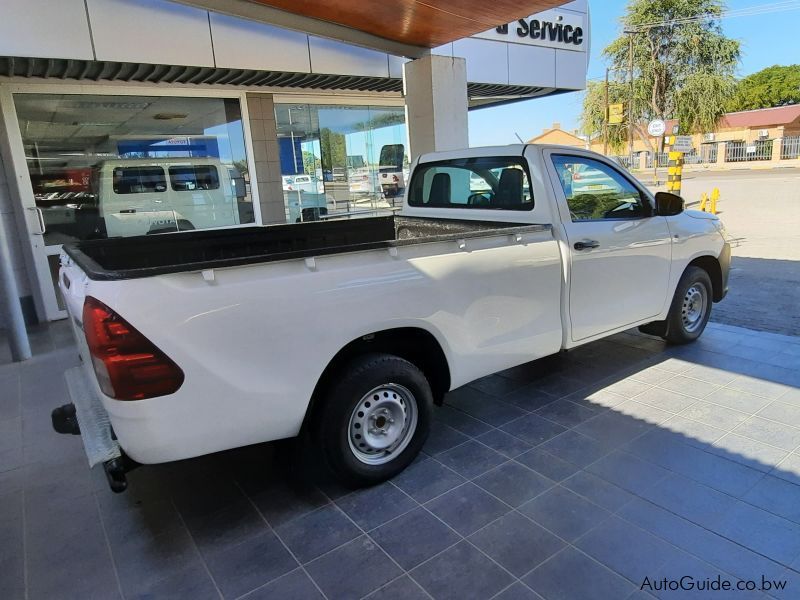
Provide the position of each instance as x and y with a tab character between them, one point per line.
158	195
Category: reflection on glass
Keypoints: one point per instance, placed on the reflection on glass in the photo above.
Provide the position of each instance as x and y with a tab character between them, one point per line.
339	161
105	166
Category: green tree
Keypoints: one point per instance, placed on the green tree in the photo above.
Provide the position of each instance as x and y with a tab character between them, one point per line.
309	162
333	149
773	86
683	66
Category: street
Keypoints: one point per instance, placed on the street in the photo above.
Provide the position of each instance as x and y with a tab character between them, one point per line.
761	211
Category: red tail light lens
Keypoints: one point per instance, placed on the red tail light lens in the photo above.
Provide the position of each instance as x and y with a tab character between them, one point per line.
128	365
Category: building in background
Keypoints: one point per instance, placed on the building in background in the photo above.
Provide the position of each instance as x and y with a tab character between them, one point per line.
763	138
556	135
123	117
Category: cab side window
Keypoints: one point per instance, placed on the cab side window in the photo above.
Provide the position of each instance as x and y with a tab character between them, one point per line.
596	191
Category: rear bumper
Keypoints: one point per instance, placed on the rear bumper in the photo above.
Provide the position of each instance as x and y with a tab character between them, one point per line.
725	266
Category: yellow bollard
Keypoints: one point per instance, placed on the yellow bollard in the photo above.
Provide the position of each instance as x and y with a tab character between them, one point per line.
714	198
703	201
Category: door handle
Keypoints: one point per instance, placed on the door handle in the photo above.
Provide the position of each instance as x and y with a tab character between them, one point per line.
40	217
586	244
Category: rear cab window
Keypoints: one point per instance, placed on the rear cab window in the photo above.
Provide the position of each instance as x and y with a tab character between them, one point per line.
494	183
194	177
139	180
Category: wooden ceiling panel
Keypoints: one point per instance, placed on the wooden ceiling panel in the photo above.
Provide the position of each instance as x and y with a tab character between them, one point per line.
428	23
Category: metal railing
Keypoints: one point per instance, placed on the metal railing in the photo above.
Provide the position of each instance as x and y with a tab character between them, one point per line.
748	151
790	147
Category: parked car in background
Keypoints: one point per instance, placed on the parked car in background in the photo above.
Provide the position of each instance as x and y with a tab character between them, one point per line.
156	195
346	333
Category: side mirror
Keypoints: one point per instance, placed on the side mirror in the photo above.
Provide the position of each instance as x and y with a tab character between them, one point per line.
668	204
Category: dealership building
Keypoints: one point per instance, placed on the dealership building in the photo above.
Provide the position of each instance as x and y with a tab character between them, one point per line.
133	117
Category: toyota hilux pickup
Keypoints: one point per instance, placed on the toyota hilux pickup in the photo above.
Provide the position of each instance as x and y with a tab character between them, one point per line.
346	333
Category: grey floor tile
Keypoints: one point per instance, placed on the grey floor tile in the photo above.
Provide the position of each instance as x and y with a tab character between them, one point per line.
517	591
284	500
354	570
513	483
758	386
373	506
533	429
497	385
711	374
756	455
651	375
770	432
691	500
566	413
516	543
714	415
316	533
427	479
402	588
504	443
467	508
631	386
240	569
665	399
461	572
192	582
460	421
777	496
571	574
295	585
737	400
626	549
443	438
597	400
627	471
229	526
529	398
548	464
782	412
613	429
414	537
576	448
564	513
483	406
471	459
788	469
599	491
691	387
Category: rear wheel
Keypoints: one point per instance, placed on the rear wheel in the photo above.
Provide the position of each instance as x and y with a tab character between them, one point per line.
374	419
691	307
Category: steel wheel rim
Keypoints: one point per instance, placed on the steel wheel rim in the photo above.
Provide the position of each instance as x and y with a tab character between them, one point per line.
693	307
382	424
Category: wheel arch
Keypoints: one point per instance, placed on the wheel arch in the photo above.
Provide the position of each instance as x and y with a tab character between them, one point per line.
711	265
416	345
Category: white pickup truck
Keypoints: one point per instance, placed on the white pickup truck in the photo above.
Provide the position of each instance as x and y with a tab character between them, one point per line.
349	331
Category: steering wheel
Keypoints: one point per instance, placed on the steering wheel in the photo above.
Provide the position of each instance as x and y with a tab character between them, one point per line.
480	199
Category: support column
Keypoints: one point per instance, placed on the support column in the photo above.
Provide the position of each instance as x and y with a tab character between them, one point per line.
266	156
435	89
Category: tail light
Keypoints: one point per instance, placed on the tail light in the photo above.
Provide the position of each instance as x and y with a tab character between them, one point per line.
395	178
128	365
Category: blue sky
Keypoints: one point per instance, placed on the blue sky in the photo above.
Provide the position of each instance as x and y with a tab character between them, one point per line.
766	40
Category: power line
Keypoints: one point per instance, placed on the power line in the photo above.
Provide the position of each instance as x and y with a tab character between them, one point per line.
772	7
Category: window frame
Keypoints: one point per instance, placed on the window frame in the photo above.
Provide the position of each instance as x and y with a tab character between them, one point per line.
643	197
212	168
520	161
138	168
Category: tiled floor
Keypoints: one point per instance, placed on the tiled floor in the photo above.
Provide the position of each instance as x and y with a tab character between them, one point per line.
571	477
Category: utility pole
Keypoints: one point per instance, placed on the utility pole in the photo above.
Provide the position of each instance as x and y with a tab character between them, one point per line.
605	120
630	102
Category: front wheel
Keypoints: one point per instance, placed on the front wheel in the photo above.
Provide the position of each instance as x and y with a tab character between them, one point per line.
374	419
691	307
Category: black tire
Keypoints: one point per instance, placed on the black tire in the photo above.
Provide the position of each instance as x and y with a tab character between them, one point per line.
681	328
331	424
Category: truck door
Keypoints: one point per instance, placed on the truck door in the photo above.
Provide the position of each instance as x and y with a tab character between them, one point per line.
620	252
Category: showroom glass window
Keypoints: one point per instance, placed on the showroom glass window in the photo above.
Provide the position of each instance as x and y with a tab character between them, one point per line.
107	166
339	160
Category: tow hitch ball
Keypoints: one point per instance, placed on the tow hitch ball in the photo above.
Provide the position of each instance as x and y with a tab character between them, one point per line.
64	420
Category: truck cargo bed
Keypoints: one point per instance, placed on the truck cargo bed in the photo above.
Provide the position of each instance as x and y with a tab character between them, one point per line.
145	256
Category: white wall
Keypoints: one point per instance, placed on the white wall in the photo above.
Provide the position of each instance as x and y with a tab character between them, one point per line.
164	32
